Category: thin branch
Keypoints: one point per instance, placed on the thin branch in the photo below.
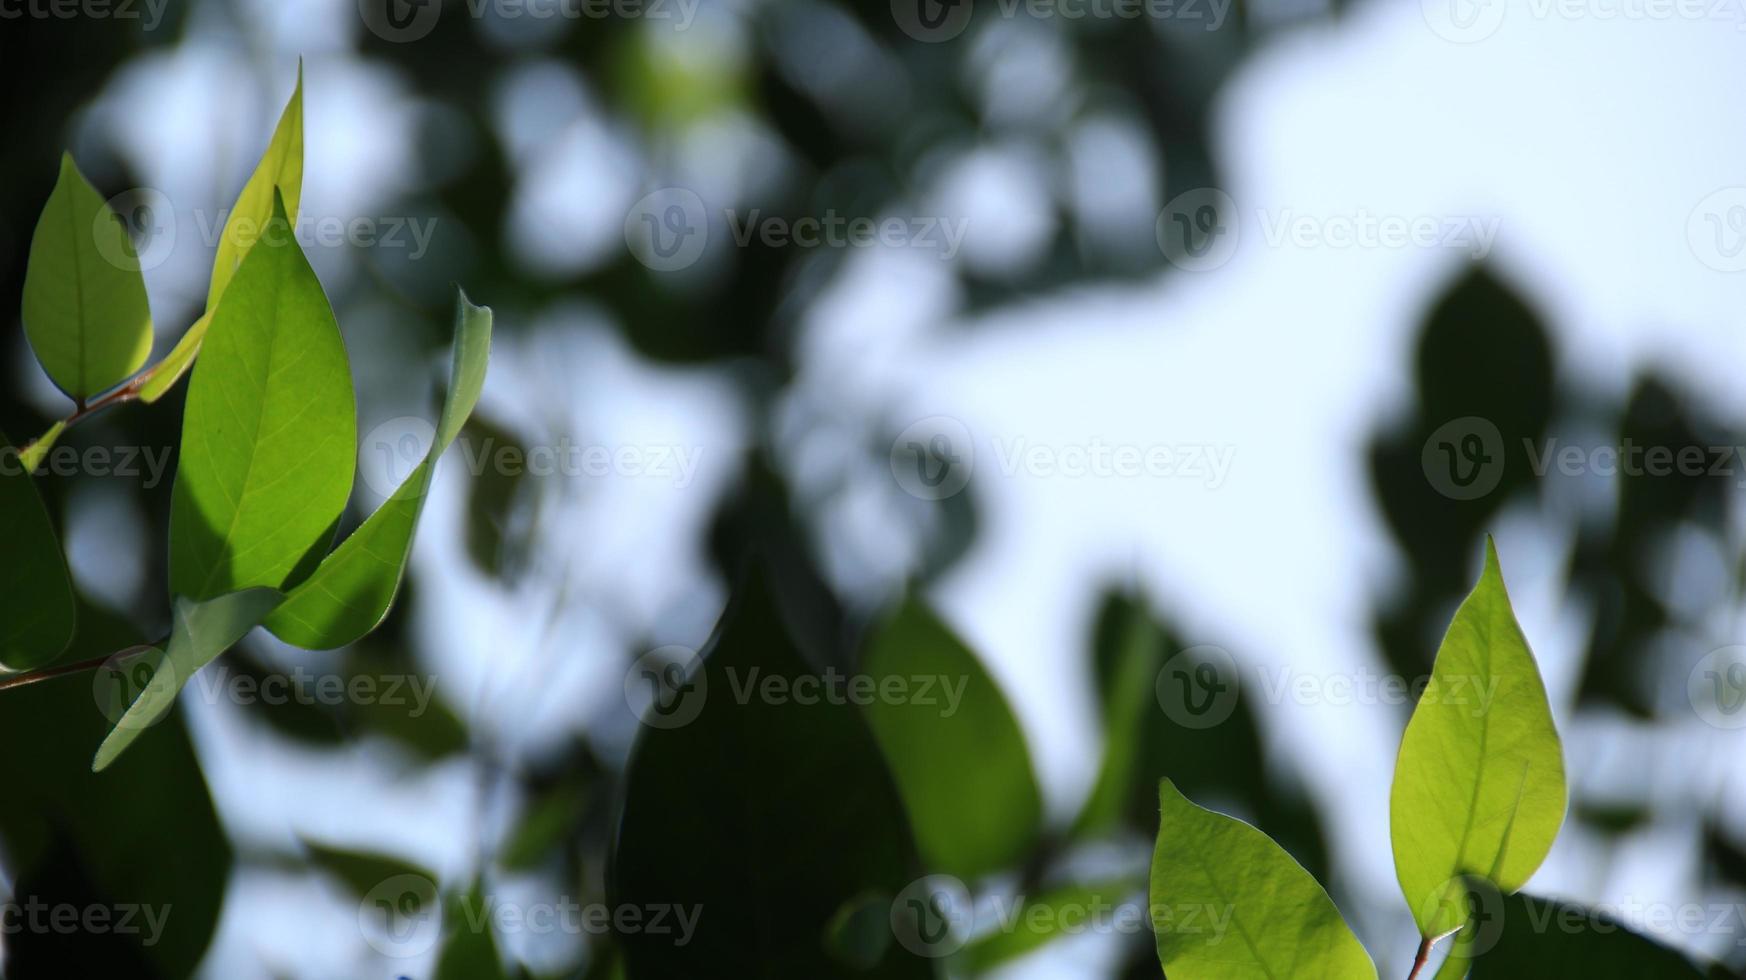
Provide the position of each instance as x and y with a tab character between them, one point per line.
1424	954
45	673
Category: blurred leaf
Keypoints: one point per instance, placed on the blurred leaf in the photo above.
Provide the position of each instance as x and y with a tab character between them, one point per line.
1479	784
351	590
551	817
32	455
501	524
470	950
1538	937
269	434
953	745
361	872
763	814
36	593
1227	902
201	631
85	308
1129	654
141	835
860	933
1042	919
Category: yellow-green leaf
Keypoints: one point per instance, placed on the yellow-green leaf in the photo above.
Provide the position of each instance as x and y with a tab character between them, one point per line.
1227	903
1479	783
269	433
85	306
351	590
280	171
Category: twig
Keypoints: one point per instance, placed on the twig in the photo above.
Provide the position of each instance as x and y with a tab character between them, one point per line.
1424	954
45	673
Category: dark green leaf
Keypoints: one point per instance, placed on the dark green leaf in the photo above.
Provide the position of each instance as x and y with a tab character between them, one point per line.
36	593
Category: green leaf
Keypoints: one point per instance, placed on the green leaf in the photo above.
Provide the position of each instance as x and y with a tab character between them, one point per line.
280	173
1479	784
1128	662
32	455
350	592
767	813
85	306
36	593
470	950
1227	902
200	631
269	433
1525	936
164	374
142	835
954	746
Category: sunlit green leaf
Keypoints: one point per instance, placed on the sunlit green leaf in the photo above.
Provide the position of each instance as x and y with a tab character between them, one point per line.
1227	902
36	593
1479	784
280	172
200	631
351	590
953	744
269	432
85	306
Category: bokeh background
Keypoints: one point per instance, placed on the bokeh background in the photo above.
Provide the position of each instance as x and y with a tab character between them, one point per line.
1310	250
